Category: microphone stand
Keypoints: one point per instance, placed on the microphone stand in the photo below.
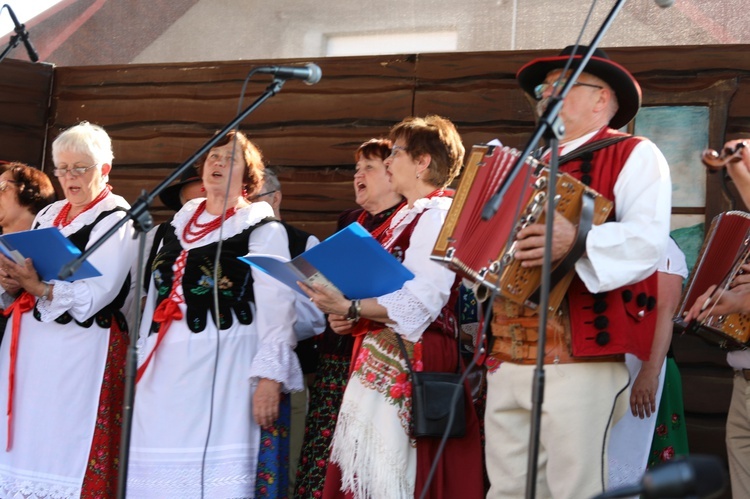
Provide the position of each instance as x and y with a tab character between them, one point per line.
143	221
21	35
552	129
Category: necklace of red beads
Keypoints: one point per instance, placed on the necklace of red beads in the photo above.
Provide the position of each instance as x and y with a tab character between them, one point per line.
61	220
195	231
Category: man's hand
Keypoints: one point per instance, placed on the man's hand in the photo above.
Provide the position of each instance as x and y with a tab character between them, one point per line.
530	241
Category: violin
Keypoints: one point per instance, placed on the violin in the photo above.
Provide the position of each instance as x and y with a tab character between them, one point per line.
715	161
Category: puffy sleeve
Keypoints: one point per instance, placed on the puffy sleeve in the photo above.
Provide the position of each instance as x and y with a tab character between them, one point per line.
629	249
416	305
114	259
275	314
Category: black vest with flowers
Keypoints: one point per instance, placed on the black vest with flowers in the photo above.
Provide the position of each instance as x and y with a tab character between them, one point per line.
234	279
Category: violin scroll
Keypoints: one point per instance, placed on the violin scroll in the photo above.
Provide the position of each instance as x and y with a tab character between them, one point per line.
715	161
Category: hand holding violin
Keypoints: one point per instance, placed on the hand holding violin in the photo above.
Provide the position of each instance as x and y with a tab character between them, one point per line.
735	157
733	152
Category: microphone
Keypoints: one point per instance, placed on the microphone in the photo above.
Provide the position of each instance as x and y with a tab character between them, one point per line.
310	73
664	3
696	476
24	35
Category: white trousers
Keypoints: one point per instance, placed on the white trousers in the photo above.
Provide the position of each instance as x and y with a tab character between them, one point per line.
580	404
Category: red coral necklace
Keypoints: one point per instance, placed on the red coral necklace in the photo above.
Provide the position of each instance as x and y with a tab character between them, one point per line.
61	220
195	231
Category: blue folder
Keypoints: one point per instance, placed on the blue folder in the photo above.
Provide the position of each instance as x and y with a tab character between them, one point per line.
351	260
48	249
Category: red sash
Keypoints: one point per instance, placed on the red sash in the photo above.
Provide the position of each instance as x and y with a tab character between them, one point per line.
167	311
20	306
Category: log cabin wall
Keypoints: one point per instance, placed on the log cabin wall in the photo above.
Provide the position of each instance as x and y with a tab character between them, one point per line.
159	115
24	110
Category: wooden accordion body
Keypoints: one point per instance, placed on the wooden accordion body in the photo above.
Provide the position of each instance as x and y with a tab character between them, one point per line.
482	250
725	248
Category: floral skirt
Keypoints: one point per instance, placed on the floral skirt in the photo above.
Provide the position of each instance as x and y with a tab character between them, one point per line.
325	400
272	478
670	436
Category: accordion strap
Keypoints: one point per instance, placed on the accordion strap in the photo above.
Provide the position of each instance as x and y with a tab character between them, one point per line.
587	215
591	147
579	245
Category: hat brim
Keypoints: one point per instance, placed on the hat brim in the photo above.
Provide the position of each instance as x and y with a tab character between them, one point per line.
170	196
626	88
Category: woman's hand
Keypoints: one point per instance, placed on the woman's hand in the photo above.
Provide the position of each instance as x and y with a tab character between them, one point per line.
340	324
266	402
643	393
9	284
20	277
328	300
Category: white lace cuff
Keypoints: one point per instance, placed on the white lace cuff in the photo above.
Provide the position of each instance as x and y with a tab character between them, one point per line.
408	313
278	362
63	294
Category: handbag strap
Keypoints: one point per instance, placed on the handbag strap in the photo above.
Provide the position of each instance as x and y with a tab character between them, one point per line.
406	355
403	351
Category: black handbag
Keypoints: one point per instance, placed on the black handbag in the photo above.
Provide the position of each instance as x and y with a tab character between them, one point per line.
432	398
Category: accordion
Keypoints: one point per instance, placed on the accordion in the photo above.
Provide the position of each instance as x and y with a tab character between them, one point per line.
482	250
725	248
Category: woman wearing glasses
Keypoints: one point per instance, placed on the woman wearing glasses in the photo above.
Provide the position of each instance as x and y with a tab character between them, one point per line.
372	452
24	191
61	373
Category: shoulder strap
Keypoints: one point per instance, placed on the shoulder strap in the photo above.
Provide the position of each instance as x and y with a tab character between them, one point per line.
591	147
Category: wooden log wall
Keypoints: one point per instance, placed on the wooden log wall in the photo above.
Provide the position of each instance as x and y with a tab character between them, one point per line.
159	115
25	91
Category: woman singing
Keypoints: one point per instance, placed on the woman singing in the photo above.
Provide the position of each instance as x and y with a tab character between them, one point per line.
208	381
63	356
374	193
372	453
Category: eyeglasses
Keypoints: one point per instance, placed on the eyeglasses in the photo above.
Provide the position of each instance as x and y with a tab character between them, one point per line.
262	194
75	171
4	184
542	87
395	149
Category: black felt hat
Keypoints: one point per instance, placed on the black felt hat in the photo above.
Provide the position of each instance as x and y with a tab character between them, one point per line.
170	196
623	83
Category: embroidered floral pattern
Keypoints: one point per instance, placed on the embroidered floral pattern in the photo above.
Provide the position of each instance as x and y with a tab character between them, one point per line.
272	476
206	281
380	367
100	479
325	399
670	436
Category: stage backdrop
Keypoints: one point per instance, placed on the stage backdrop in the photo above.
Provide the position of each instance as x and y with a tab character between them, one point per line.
159	115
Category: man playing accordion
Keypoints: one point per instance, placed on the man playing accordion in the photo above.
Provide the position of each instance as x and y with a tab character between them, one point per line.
610	307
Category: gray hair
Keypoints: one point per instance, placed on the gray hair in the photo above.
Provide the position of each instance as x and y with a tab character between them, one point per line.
271	181
85	138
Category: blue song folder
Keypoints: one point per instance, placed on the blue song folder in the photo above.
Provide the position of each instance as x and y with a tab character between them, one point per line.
48	249
351	261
